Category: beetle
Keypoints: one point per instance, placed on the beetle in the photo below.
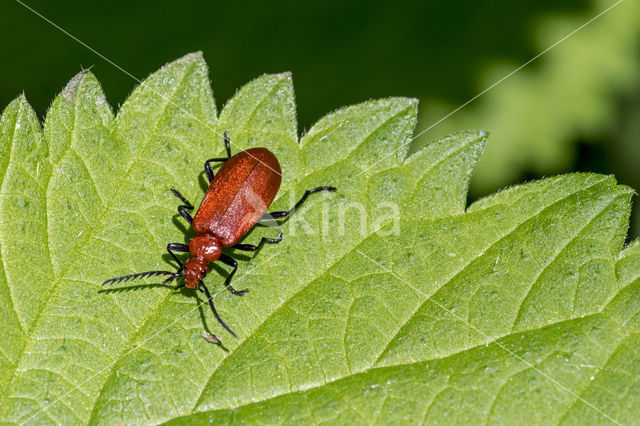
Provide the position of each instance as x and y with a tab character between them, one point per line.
236	200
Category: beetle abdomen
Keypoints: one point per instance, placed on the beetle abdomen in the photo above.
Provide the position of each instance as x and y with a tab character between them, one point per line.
239	195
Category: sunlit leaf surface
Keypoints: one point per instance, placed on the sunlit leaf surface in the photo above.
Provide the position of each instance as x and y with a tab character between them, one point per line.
387	302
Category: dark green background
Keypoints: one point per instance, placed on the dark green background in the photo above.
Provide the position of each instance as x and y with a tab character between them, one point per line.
340	52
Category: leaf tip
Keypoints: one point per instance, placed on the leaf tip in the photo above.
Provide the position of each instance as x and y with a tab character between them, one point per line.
477	138
284	76
406	102
22	99
413	101
70	90
273	79
19	103
193	57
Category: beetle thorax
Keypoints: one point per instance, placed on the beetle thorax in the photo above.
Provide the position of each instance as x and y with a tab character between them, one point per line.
204	249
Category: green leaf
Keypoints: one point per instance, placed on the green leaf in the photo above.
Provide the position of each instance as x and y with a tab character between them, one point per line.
387	301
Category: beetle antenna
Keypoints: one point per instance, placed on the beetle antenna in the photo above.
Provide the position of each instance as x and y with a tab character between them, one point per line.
213	309
172	276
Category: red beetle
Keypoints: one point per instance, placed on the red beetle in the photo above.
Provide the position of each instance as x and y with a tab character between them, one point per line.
237	198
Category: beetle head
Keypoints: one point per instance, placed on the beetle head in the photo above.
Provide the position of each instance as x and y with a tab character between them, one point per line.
194	271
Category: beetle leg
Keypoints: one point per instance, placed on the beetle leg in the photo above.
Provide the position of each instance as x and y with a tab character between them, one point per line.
177	247
231	262
207	167
183	209
270	216
227	144
251	247
203	288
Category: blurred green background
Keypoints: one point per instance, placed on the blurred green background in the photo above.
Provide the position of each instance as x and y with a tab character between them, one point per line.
576	108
